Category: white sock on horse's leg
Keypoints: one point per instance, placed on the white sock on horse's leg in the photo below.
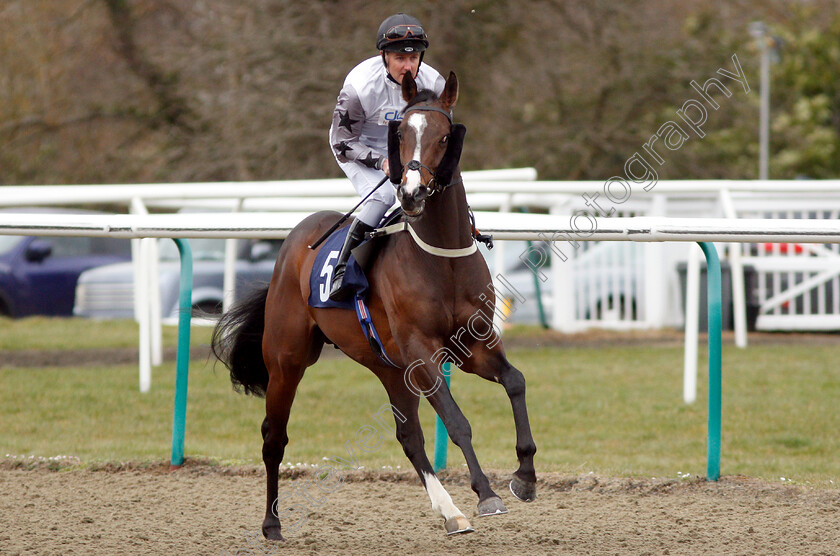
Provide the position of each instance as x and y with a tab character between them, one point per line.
441	501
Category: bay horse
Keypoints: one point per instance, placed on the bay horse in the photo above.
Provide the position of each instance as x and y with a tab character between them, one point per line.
421	303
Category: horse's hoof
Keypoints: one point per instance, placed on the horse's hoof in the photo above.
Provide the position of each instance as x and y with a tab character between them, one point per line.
491	506
458	524
523	490
272	532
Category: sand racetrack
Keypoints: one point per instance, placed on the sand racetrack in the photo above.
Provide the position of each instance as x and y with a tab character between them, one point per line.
205	509
211	510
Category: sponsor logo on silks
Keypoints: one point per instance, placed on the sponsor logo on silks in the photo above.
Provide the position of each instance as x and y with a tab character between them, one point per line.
389	115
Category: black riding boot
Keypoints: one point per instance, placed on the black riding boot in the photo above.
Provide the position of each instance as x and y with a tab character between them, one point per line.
355	236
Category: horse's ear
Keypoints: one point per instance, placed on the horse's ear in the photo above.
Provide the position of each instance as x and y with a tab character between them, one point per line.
450	92
409	87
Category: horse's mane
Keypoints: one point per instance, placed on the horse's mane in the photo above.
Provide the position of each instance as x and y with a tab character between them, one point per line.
425	95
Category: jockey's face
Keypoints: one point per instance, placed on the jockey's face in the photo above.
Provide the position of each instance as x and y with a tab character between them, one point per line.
399	63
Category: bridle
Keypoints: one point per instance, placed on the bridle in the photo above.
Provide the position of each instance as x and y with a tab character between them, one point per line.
441	177
434	185
429	108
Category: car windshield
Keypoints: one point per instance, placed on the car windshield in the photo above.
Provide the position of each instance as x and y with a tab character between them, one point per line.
71	246
7	243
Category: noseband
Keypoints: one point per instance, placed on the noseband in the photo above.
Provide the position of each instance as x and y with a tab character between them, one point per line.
442	177
432	185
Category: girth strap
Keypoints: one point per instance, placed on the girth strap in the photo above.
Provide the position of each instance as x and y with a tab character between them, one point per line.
369	330
431	249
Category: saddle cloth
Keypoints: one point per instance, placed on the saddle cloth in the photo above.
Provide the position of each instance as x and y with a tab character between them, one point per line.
320	282
354	274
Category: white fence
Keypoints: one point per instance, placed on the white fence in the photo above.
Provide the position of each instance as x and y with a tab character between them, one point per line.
503	226
645	296
798	287
286	196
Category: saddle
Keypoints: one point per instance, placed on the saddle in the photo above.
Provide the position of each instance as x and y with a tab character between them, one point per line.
361	258
365	253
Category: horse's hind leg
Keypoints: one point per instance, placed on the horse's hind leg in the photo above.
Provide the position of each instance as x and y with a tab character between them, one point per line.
286	363
278	403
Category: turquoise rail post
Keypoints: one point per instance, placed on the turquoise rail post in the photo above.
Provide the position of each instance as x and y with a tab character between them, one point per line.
441	436
179	419
713	289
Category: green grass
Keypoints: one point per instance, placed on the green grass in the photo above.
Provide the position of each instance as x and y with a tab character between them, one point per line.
610	410
78	333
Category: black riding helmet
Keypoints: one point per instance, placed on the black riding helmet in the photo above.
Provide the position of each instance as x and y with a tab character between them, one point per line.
401	33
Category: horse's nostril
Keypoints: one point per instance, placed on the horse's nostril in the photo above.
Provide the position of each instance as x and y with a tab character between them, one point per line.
420	193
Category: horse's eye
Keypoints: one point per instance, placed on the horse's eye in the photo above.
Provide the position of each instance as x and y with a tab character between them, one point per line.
399	135
444	139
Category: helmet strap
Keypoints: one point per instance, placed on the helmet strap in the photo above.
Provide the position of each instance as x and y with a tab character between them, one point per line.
387	72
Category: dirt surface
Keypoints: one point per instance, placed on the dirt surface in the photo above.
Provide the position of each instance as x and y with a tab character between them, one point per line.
204	509
208	510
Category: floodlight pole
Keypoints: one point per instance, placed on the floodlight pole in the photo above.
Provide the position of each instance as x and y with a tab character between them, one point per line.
758	30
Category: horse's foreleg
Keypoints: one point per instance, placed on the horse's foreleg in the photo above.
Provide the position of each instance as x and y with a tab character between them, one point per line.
524	482
460	432
410	436
279	396
424	379
496	368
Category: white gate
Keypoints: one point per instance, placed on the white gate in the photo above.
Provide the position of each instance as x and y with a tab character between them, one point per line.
797	285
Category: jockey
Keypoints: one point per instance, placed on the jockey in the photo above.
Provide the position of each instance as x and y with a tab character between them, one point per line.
370	98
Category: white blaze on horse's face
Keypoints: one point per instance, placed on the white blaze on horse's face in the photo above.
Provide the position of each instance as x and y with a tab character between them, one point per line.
413	180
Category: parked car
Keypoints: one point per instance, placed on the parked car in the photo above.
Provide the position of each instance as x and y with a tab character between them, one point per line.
107	292
38	274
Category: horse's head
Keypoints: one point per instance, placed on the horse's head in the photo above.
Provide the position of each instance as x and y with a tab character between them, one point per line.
425	147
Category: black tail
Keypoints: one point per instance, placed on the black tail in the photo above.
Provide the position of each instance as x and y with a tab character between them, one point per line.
237	342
